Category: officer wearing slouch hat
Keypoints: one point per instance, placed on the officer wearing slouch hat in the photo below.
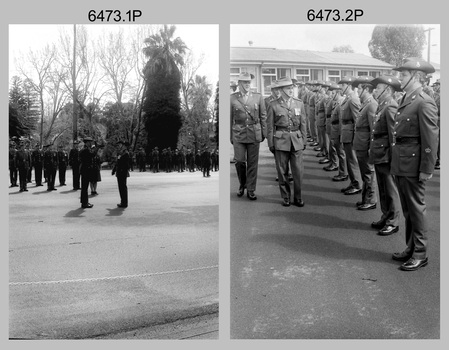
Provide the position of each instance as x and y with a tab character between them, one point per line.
362	137
286	136
248	129
349	111
380	153
414	152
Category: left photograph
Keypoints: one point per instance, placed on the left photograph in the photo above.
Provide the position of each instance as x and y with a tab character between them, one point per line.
114	181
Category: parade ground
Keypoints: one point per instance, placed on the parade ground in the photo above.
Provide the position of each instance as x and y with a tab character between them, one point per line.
109	272
321	271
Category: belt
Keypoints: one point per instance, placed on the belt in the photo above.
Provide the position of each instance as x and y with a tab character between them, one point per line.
407	140
283	128
363	128
335	122
345	122
328	116
380	135
245	123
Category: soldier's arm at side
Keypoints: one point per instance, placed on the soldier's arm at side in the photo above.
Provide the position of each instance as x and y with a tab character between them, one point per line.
303	125
428	127
270	127
263	117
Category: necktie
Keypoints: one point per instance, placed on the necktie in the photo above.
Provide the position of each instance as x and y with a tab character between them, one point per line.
245	98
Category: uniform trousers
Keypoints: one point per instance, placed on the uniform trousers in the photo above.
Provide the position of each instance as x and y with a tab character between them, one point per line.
368	178
388	194
38	174
352	165
23	177
13	176
324	139
295	160
306	108
51	174
341	156
85	180
122	189
62	170
312	121
333	157
411	193
246	157
76	176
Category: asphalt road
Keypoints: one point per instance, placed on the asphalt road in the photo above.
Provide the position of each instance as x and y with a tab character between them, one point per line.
321	271
83	273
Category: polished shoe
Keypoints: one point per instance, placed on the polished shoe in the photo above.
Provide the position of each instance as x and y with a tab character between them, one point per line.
298	202
358	204
120	205
401	256
388	230
340	178
324	161
366	206
355	190
343	190
88	205
378	224
251	195
241	191
321	154
315	144
317	149
331	168
286	202
414	264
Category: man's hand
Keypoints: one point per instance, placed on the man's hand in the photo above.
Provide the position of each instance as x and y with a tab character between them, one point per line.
423	177
272	149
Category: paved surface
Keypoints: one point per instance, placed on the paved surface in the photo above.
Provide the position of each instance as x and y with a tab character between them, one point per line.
321	271
81	273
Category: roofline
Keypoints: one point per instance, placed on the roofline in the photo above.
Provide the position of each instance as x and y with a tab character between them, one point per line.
296	63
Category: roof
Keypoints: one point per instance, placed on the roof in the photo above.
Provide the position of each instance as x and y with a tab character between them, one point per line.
267	55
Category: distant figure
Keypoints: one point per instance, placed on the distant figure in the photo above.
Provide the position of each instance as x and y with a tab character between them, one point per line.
120	170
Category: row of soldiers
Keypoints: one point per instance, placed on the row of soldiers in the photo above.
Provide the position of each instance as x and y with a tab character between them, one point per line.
167	160
45	162
382	130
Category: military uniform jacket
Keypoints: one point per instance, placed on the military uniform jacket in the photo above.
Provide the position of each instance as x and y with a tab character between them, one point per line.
335	119
415	135
286	126
312	102
63	158
22	159
382	131
86	159
12	158
349	111
50	159
37	158
320	110
121	166
267	101
364	125
248	120
437	102
74	158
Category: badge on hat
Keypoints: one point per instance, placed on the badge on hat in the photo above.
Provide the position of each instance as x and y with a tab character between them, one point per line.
428	150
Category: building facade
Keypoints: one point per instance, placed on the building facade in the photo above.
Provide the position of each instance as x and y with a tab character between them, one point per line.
268	64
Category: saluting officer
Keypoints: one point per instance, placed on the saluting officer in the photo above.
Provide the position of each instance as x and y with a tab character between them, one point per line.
349	111
362	137
414	152
380	153
248	129
286	136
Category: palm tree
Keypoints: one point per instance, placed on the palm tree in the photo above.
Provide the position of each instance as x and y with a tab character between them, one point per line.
163	52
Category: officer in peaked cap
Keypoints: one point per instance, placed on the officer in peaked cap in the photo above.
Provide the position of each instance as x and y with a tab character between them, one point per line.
86	158
121	171
362	136
248	129
75	165
349	111
414	153
380	153
286	135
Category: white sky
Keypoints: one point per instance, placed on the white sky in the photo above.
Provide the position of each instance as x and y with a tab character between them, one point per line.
201	38
318	37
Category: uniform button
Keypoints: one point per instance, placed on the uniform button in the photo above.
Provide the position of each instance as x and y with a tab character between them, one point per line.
397	123
413	154
381	145
408	119
399	113
393	144
394	132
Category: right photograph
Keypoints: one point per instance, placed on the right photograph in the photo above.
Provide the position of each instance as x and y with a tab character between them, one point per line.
335	181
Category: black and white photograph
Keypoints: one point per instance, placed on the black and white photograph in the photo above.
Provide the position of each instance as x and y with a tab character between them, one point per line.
113	186
335	181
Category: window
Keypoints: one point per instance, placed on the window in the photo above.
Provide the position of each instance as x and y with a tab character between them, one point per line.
268	76
345	73
284	72
362	73
235	72
302	75
316	74
334	75
374	74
